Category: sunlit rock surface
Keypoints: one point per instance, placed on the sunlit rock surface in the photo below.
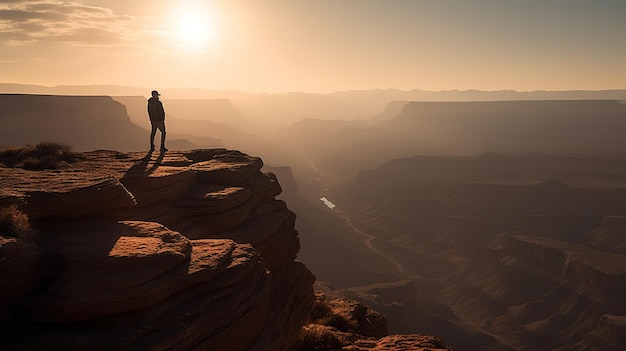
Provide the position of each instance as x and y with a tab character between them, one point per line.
340	323
148	251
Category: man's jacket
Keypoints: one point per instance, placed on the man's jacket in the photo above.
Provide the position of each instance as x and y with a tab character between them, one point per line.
155	110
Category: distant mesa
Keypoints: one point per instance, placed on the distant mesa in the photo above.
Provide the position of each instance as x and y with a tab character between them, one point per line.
84	122
463	128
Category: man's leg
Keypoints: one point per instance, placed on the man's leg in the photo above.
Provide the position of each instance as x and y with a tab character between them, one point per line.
152	134
162	129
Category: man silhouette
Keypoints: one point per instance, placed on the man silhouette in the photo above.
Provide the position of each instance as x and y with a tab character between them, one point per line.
157	119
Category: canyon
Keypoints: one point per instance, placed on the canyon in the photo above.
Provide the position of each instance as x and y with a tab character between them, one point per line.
486	223
496	252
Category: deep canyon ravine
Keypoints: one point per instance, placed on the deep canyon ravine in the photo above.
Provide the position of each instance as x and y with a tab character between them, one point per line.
368	240
323	179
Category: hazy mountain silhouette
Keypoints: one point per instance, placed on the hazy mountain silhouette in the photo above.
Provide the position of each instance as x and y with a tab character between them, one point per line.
263	112
462	128
196	117
218	111
84	122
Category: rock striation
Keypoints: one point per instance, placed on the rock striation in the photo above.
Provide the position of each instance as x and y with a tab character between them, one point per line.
341	323
135	251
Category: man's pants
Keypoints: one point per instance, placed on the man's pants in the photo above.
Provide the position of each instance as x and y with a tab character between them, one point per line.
160	125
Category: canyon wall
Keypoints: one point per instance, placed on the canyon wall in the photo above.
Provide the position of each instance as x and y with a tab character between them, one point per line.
176	251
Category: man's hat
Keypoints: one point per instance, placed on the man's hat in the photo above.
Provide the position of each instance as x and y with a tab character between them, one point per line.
155	92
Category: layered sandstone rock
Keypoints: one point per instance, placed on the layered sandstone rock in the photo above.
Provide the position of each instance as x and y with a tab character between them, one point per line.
176	251
341	323
541	291
405	342
609	236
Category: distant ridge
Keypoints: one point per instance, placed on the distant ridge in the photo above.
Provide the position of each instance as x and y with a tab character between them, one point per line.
270	111
85	122
385	94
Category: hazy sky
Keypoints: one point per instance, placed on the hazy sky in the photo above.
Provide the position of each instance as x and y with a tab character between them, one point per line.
316	45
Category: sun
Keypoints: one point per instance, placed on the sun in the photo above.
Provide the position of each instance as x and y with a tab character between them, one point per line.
194	30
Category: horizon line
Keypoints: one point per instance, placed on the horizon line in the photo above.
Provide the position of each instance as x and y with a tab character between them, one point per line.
311	92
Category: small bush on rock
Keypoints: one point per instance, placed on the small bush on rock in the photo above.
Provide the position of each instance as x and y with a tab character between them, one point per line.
13	222
316	337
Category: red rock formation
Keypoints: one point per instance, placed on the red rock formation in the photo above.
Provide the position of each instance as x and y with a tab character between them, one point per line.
340	323
406	342
175	251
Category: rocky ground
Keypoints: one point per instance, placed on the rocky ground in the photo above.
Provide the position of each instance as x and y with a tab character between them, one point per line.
150	251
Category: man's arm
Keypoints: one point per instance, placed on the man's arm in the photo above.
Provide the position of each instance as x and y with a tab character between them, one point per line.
162	110
153	110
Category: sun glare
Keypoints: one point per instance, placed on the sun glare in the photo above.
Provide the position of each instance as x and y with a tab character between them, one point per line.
194	30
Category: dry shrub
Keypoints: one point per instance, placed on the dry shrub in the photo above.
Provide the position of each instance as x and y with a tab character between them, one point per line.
343	314
45	155
321	310
13	222
316	337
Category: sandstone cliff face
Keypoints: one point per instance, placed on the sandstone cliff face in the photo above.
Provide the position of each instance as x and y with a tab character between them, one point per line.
175	251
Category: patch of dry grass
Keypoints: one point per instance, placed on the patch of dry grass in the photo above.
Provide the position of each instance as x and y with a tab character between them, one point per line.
44	155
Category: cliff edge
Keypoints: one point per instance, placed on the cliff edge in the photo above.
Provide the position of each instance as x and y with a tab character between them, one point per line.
135	251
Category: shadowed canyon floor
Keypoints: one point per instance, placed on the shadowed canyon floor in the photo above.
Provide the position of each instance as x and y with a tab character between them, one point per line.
491	252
